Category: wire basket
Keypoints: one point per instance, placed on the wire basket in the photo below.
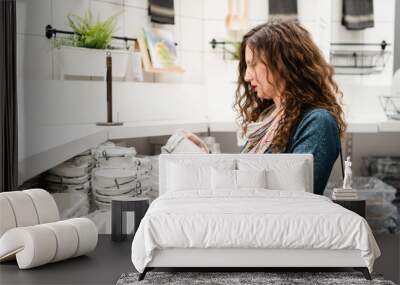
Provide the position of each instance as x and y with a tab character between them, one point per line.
358	61
391	106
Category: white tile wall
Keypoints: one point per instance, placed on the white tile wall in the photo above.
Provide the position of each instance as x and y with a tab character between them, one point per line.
34	57
108	9
258	10
133	16
191	34
213	29
33	16
61	9
381	31
192	63
193	9
219	71
384	11
136	3
306	11
214	9
197	22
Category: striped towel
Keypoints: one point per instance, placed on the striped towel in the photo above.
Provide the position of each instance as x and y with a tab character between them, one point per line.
285	10
358	14
162	11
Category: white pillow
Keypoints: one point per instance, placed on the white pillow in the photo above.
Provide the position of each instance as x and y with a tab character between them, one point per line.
183	177
293	180
281	174
251	178
237	179
223	179
191	174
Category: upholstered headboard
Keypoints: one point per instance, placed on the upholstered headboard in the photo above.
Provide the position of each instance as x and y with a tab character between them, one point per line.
284	171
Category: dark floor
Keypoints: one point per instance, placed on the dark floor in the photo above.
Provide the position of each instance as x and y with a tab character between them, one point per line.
102	266
111	259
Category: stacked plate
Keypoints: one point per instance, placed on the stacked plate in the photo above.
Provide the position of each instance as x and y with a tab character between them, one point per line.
118	174
70	185
73	174
153	179
109	183
109	150
145	169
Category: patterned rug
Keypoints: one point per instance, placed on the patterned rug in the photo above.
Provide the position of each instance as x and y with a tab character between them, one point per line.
269	278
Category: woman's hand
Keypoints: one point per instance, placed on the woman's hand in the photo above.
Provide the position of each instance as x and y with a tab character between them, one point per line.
196	140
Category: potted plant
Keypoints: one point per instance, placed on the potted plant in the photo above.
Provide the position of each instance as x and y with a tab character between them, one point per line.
84	53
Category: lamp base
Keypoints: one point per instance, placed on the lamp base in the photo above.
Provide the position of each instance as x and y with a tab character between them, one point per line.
109	124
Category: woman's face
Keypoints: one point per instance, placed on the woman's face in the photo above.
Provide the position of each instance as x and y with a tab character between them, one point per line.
257	75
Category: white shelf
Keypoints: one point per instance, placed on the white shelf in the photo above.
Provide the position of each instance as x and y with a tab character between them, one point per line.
354	125
59	143
155	128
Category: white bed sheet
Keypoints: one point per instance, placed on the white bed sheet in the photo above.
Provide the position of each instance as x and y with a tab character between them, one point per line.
252	218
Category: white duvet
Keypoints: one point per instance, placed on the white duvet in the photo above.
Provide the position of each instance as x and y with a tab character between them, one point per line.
250	219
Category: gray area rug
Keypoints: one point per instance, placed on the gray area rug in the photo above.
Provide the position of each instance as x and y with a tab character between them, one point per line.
228	278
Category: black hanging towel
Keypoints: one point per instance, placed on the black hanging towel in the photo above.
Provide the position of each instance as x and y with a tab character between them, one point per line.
162	11
358	14
285	10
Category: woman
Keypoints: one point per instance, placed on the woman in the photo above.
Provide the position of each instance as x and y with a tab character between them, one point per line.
286	97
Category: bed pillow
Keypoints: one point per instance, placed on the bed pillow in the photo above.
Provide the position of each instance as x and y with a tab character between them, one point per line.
223	179
237	179
251	178
191	174
281	174
295	181
182	177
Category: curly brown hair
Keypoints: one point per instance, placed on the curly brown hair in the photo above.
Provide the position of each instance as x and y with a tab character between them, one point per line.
297	64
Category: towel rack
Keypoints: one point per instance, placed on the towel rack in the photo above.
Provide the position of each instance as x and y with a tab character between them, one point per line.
356	61
383	44
52	32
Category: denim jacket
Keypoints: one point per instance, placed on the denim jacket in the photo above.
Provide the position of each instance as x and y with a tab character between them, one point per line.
317	133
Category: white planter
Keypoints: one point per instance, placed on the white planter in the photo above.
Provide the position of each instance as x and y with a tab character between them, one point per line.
84	62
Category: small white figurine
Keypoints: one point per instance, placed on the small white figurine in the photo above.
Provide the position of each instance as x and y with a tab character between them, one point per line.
347	174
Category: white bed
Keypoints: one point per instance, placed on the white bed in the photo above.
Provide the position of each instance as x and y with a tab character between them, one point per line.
209	214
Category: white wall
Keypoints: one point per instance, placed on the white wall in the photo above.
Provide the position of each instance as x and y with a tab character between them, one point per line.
208	78
384	17
197	22
361	92
396	63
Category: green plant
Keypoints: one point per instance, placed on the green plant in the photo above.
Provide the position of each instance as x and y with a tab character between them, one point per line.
91	33
63	41
234	49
